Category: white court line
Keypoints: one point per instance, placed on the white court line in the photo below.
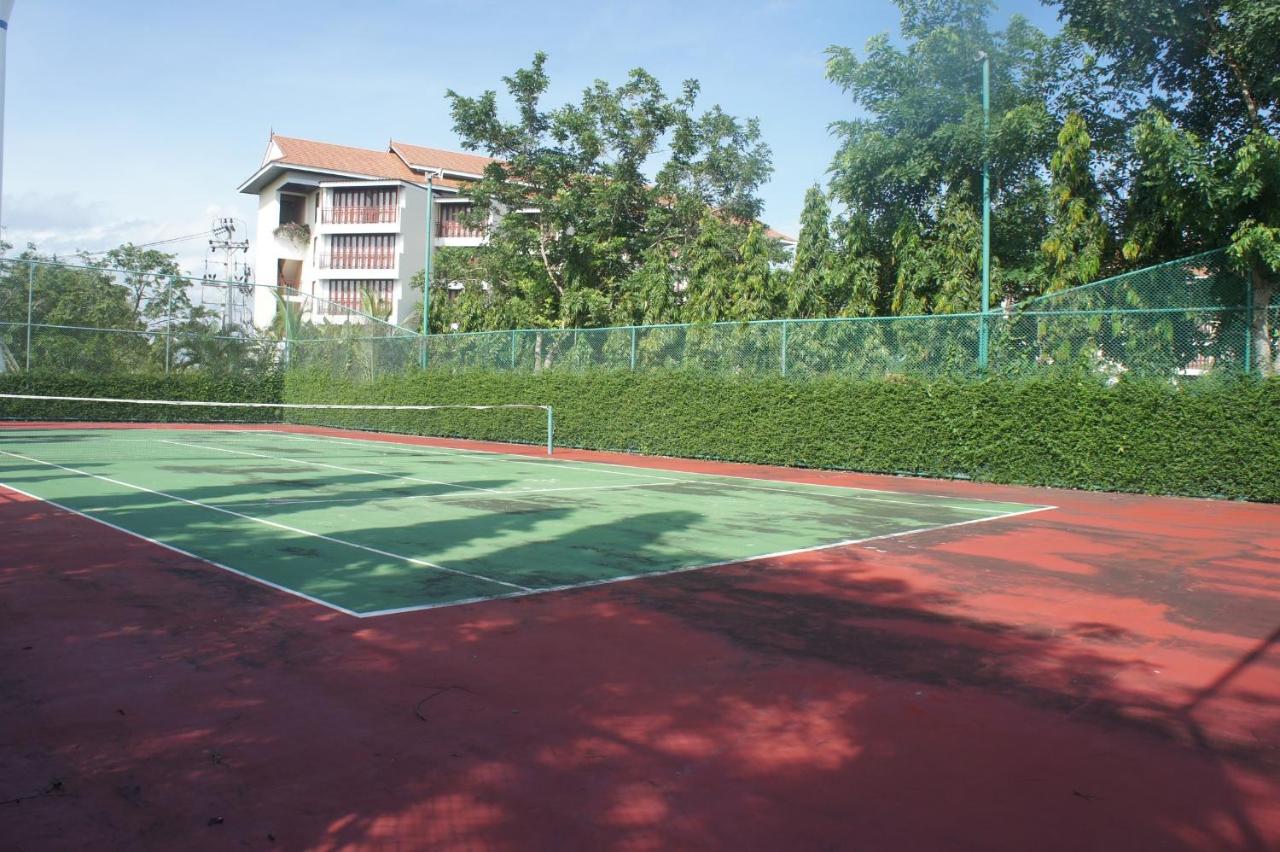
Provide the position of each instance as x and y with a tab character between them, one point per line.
410	559
166	546
383	474
848	492
505	493
522	591
687	568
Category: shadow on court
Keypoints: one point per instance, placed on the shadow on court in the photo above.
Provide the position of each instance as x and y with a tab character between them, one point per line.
1101	678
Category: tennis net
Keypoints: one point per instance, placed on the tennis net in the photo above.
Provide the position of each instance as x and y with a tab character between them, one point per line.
61	429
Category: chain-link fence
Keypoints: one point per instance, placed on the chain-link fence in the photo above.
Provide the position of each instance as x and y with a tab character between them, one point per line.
59	317
1180	318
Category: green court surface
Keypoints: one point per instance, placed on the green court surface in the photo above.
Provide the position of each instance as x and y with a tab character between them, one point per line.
373	527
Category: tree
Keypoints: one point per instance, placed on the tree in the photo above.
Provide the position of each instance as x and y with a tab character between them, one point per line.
756	295
586	229
811	272
1198	79
1077	237
918	152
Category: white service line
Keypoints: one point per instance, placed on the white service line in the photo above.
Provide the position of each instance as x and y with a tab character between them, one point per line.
504	493
589	583
410	559
383	474
849	492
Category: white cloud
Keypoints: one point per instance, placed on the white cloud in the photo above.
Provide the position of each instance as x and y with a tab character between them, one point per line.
66	223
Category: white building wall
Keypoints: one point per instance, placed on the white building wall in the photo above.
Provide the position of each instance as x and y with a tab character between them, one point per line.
269	249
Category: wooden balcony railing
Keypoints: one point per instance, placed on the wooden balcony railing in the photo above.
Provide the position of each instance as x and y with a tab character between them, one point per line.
447	228
358	260
359	215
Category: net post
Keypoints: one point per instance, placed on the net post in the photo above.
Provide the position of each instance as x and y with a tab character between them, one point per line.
551	427
31	289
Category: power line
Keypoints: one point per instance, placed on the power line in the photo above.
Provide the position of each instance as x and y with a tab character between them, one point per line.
156	243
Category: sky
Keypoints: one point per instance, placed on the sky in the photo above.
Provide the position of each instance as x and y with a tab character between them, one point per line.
136	120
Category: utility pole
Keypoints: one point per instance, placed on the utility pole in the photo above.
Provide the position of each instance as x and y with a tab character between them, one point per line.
224	231
6	9
983	331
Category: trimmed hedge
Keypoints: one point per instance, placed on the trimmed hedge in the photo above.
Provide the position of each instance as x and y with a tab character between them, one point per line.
192	385
1215	437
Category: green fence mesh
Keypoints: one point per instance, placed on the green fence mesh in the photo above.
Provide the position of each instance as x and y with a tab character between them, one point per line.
1181	318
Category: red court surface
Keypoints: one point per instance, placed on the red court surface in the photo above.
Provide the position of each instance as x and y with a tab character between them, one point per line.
1102	676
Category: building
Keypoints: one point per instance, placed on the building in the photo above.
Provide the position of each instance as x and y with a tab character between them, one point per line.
334	221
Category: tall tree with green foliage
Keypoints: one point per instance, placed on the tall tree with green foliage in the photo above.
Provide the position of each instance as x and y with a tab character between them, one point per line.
1198	80
1077	236
584	217
756	294
918	153
809	282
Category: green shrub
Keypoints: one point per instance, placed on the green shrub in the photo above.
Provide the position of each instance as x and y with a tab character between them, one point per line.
1214	437
192	385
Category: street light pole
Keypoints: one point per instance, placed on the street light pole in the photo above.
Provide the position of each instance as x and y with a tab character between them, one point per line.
426	267
983	331
6	9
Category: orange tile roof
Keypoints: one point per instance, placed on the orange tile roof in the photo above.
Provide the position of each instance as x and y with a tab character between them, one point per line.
341	158
436	158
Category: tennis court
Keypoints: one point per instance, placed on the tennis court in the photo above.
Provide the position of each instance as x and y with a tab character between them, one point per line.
372	527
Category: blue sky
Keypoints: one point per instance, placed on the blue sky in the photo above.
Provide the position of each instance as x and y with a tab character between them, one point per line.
136	121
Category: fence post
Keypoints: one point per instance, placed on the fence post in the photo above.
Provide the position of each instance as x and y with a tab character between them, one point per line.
31	289
168	330
784	347
513	348
1248	322
633	348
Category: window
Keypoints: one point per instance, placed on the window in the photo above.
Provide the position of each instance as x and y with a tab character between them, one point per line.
292	209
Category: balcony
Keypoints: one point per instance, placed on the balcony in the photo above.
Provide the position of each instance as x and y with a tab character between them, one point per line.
358	260
360	215
446	228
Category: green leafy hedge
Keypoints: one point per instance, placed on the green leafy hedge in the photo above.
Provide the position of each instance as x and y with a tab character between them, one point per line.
192	385
1216	437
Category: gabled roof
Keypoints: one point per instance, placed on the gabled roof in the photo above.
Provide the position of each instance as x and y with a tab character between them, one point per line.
346	161
418	157
339	158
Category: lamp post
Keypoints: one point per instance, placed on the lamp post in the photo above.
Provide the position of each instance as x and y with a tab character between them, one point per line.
986	212
6	9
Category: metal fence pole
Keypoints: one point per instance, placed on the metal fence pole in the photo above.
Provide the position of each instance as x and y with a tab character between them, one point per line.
31	289
633	347
513	348
1248	322
168	324
784	347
